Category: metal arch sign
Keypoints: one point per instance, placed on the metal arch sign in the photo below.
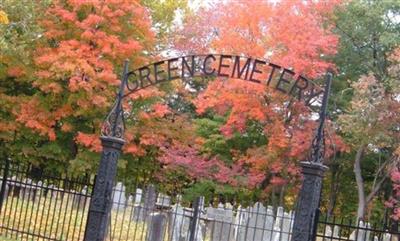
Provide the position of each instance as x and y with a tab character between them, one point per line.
227	66
254	70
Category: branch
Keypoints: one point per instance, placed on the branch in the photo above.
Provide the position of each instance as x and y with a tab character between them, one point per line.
377	187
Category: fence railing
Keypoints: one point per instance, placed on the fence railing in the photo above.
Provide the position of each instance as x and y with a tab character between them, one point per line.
40	206
331	228
37	205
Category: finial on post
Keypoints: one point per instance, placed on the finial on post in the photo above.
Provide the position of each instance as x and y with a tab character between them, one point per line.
114	124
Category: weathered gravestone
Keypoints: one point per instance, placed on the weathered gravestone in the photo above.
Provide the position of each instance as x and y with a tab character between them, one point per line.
135	202
387	237
25	189
79	200
52	191
142	211
163	200
179	223
175	223
119	198
287	225
336	231
138	195
361	234
242	217
39	192
277	232
156	226
328	234
222	228
261	222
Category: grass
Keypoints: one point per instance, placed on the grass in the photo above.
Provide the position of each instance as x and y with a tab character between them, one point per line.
57	218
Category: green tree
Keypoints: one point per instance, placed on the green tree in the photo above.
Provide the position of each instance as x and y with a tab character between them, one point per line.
369	32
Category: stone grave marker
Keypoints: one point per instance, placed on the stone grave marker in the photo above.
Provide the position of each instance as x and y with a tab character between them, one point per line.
287	225
119	198
268	225
175	223
276	234
156	227
336	231
163	200
387	237
142	211
79	200
138	195
257	222
328	233
359	234
243	215
222	223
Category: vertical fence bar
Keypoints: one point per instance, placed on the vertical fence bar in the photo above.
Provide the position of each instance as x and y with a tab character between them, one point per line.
4	182
197	207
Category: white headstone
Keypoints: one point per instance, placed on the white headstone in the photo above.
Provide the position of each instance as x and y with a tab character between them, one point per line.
163	200
138	195
222	224
387	237
287	224
328	234
175	222
360	233
276	235
119	198
336	231
243	215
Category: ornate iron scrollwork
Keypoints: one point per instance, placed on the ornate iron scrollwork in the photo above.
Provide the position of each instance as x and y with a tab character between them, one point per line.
114	124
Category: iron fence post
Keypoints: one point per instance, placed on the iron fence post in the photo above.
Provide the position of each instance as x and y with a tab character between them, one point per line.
304	226
197	208
112	141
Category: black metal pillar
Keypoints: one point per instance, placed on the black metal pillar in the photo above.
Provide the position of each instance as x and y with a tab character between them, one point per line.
305	221
112	140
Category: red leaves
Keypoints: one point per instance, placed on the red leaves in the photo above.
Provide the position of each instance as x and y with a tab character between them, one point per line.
198	166
91	141
15	71
160	110
36	117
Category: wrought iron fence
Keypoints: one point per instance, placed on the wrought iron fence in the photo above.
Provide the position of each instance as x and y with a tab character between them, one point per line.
337	229
38	205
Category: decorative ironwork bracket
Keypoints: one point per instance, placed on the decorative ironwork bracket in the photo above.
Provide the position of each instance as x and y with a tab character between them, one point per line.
114	124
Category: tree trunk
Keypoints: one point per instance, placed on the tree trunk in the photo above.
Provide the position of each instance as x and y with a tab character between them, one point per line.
360	182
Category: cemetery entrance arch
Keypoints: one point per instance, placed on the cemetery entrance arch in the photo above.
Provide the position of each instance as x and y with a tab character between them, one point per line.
249	69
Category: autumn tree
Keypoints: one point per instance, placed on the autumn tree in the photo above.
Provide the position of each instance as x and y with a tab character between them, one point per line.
77	64
249	125
368	36
19	30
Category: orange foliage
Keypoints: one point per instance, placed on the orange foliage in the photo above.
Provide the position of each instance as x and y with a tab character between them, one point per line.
289	33
84	42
